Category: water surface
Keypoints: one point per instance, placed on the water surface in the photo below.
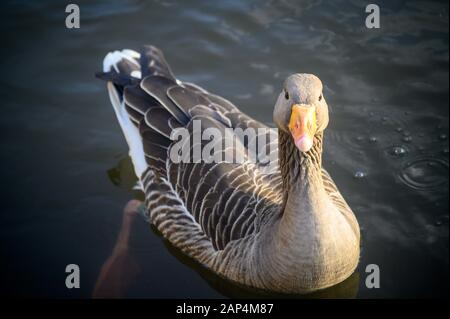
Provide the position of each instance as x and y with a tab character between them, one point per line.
64	166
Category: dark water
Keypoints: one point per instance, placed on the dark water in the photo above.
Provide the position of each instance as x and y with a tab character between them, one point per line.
65	175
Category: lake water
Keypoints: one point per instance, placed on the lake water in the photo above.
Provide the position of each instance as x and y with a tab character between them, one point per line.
66	175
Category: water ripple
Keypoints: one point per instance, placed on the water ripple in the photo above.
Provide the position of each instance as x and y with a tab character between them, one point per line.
425	174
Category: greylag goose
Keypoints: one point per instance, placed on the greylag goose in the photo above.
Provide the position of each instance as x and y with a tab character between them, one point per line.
285	227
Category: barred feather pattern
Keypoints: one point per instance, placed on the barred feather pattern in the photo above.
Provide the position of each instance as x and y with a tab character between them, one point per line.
222	214
299	167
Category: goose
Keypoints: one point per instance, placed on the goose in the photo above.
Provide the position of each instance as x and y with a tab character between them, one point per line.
286	229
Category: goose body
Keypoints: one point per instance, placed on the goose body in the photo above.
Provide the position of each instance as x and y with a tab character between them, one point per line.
284	228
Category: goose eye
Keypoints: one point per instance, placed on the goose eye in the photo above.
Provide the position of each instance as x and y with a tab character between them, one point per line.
286	95
320	97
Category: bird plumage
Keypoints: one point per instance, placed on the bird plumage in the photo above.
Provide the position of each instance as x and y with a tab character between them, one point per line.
219	212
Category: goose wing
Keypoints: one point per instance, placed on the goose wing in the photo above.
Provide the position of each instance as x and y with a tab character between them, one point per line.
339	201
199	206
226	200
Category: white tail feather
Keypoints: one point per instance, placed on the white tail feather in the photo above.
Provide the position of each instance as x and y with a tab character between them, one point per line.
130	131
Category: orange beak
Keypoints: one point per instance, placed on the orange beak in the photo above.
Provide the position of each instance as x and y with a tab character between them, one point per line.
303	125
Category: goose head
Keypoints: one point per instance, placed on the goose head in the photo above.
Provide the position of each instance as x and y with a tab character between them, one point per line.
301	109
